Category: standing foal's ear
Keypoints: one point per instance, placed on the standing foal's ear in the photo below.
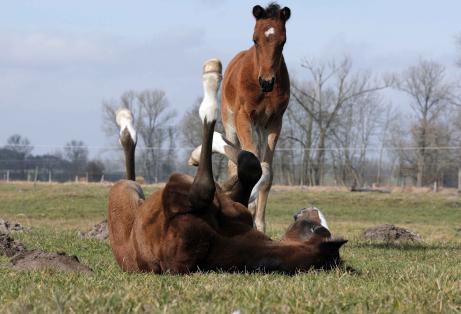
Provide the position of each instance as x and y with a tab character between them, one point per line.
285	14
258	12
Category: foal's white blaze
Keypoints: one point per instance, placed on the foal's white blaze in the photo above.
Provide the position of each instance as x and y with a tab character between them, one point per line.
323	221
270	31
124	119
211	79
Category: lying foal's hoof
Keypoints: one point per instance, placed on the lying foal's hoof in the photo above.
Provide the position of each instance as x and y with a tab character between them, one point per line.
249	168
195	157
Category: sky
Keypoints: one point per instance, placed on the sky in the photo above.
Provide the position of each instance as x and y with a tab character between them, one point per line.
60	59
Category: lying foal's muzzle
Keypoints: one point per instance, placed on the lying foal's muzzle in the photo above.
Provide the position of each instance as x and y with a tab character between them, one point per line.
266	86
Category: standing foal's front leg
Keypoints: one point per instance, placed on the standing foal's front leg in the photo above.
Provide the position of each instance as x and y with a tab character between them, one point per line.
262	188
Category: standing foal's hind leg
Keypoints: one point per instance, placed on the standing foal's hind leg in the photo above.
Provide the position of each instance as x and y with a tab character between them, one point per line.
228	120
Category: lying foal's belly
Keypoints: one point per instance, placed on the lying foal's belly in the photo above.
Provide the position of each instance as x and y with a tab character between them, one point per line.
178	246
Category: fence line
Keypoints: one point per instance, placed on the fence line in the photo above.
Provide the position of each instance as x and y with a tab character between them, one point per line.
360	148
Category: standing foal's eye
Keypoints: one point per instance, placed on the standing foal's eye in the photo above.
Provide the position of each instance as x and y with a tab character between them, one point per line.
255	42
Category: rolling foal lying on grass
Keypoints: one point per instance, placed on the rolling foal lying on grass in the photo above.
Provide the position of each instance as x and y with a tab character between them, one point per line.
194	224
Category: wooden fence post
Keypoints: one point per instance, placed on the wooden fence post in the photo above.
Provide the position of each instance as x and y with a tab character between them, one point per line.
459	180
7	176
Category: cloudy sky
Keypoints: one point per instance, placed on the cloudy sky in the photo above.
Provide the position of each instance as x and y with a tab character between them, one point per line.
60	59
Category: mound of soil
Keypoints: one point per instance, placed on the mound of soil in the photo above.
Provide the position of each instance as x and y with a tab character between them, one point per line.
39	260
391	233
9	247
7	226
99	231
23	259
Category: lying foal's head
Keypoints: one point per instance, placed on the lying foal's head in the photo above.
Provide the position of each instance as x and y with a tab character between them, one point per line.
269	38
311	226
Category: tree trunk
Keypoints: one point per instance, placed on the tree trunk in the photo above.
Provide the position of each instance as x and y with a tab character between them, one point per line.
320	160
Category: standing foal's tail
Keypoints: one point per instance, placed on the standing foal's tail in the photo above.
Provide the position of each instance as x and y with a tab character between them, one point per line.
125	197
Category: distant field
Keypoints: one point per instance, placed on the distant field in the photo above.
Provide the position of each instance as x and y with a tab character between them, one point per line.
410	278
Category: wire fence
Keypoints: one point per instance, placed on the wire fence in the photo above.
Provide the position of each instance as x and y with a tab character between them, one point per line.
289	167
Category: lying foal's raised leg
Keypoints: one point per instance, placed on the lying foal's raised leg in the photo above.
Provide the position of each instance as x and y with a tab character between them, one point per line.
203	188
239	187
124	198
220	145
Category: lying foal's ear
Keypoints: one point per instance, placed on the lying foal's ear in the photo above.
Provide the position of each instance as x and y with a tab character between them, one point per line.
322	231
285	14
332	245
258	12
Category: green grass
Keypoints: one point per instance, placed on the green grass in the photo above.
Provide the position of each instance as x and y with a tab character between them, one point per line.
408	278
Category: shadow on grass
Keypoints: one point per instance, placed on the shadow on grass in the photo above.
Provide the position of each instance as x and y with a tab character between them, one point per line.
408	246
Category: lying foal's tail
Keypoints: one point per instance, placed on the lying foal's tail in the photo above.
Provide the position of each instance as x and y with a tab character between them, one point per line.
124	199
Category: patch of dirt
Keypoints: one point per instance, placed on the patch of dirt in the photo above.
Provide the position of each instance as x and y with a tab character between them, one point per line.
7	226
391	233
23	259
9	247
39	260
99	231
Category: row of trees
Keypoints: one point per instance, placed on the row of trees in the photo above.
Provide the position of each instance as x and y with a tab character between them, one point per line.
339	127
345	130
17	159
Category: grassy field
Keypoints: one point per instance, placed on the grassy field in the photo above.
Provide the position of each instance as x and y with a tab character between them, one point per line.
409	278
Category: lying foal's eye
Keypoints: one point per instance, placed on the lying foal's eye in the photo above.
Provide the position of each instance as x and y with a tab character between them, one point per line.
255	42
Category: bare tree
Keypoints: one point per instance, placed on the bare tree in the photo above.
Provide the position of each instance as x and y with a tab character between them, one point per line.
76	152
152	122
20	145
390	116
95	169
430	95
331	87
152	118
191	126
352	136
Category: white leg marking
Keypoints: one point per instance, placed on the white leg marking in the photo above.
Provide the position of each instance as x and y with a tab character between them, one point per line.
124	119
211	79
262	181
218	146
218	143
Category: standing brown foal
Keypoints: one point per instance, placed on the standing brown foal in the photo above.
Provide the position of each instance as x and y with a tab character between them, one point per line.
255	94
